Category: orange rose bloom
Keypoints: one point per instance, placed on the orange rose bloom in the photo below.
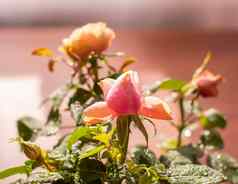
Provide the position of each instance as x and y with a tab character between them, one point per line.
206	83
93	37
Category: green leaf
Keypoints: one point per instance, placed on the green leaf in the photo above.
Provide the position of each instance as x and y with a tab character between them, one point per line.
174	158
76	135
221	161
54	116
212	139
30	165
142	155
232	176
43	176
58	96
145	179
61	145
191	151
105	137
53	122
92	152
225	164
13	171
80	95
212	119
169	144
43	52
91	170
28	128
171	84
77	113
184	155
139	124
194	174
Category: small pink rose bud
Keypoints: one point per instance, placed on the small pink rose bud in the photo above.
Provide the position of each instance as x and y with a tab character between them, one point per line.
207	83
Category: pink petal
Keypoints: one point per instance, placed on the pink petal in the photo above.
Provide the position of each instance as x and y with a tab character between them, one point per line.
207	88
106	85
96	113
155	108
124	97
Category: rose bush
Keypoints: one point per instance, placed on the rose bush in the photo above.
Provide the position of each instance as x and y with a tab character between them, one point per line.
104	105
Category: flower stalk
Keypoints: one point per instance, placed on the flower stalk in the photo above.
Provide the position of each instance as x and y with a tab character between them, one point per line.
123	133
182	122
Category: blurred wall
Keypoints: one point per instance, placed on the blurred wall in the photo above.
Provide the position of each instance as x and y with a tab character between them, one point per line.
215	14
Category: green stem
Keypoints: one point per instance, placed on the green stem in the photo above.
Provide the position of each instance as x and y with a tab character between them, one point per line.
182	125
125	144
94	67
123	124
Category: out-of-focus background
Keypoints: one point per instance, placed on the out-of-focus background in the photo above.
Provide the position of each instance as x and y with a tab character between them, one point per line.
184	14
167	37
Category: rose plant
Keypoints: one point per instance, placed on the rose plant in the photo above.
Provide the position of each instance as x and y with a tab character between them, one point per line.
104	103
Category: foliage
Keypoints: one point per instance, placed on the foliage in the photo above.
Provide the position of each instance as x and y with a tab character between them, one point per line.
196	174
225	164
28	128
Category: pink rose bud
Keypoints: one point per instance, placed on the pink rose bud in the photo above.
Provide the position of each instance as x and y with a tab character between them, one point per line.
123	96
207	83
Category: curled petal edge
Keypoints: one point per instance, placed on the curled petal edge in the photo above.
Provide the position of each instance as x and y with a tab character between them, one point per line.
154	107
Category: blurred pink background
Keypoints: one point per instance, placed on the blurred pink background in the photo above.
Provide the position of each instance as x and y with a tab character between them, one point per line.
133	13
168	38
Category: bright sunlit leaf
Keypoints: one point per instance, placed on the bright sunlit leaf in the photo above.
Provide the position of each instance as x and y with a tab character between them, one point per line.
13	171
76	135
172	84
104	137
43	52
92	152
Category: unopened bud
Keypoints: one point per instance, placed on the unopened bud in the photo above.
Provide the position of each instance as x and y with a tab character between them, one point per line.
32	151
207	83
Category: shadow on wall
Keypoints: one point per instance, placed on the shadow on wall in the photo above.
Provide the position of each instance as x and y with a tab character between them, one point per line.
169	14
